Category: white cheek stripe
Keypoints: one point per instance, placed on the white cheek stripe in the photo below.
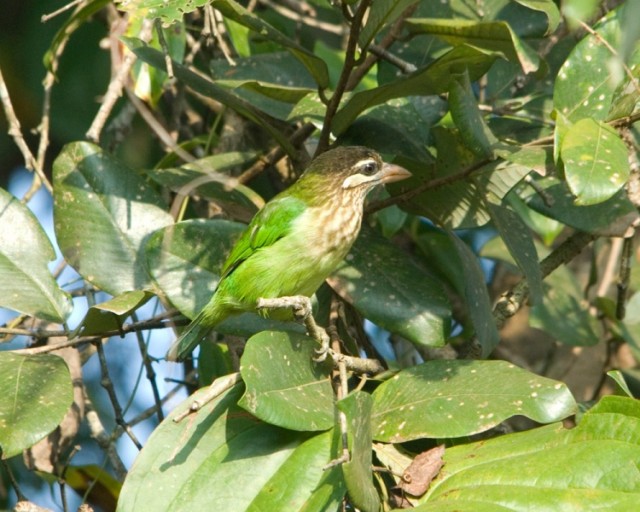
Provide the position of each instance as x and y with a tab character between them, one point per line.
357	179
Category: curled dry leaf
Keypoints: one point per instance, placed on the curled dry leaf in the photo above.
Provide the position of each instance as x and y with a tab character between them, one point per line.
424	468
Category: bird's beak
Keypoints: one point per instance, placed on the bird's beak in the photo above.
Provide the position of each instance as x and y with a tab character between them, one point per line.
393	172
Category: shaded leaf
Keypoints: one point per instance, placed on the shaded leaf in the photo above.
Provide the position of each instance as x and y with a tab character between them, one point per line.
315	65
433	79
285	387
519	241
548	7
111	314
357	471
477	298
445	399
35	394
610	218
167	10
591	467
595	161
494	36
381	13
25	252
383	284
103	212
189	465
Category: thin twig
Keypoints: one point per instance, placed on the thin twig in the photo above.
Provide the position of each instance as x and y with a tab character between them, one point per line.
116	86
46	17
165	48
148	366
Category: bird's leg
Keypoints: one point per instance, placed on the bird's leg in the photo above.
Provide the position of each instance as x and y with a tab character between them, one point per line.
301	308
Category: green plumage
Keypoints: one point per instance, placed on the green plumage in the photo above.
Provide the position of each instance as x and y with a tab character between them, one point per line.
296	240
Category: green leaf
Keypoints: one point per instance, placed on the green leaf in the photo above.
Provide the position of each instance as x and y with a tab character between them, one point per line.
477	298
285	387
564	314
445	399
208	88
392	291
185	260
586	85
189	465
111	314
433	79
591	467
35	394
168	11
467	116
27	284
357	471
595	161
315	66
610	218
494	36
381	13
519	241
548	7
103	213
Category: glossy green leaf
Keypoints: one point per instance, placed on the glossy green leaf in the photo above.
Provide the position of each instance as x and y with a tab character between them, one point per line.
519	241
433	79
610	218
595	161
285	387
189	465
477	298
392	291
445	399
110	315
494	36
315	65
585	85
590	467
203	85
185	260
103	212
357	471
564	314
35	394
467	116
25	252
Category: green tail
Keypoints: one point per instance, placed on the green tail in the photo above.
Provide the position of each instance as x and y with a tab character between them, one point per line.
189	339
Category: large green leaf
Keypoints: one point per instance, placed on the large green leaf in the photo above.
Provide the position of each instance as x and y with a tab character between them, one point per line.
25	251
357	471
585	85
591	467
35	394
595	161
445	399
494	36
285	387
391	290
222	458
103	213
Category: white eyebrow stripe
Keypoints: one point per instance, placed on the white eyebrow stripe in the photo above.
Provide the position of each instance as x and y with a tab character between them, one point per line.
357	179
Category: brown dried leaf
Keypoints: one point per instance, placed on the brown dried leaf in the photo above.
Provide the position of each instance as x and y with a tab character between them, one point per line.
424	468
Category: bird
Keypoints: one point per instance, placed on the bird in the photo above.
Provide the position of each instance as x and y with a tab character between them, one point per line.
296	240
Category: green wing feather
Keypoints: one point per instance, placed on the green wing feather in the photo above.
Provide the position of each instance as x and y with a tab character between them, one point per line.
270	224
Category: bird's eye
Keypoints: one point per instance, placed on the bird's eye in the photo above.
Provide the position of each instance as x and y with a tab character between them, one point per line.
369	168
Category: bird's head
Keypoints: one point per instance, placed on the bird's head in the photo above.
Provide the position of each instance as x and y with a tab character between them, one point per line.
351	171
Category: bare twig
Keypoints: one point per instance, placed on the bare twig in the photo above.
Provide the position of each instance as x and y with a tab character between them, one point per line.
116	86
46	17
151	374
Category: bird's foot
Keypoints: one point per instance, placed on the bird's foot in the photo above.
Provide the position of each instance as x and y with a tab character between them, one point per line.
301	308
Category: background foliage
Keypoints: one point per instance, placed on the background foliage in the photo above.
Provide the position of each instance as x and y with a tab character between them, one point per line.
497	288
